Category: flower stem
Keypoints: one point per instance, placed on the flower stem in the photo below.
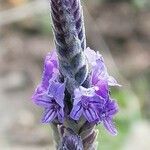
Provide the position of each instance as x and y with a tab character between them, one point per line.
70	41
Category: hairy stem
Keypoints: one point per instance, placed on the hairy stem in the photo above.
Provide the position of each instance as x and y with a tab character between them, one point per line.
70	41
68	27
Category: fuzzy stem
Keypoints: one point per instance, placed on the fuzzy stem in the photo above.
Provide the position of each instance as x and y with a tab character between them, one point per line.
70	41
68	27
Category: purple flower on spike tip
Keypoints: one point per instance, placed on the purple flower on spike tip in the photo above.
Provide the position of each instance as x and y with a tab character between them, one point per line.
50	69
86	103
92	103
53	102
106	115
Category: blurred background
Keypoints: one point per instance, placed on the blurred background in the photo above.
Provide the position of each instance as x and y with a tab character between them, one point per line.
119	29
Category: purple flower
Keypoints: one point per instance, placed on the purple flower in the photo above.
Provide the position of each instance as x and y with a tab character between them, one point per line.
100	77
99	70
50	67
86	102
101	80
53	102
102	88
50	70
106	115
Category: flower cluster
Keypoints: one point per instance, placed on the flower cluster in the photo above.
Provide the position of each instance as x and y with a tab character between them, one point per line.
49	94
93	104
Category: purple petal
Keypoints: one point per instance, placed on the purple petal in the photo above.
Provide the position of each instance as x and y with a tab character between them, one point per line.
60	115
81	91
76	112
108	123
59	95
102	70
112	107
50	65
77	96
56	90
47	75
52	57
76	101
95	76
97	101
49	116
42	100
99	72
90	114
52	89
103	89
39	90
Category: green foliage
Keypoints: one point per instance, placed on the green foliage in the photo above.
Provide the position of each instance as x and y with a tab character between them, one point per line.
140	4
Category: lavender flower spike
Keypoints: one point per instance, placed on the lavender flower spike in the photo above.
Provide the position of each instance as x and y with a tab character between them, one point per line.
74	90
